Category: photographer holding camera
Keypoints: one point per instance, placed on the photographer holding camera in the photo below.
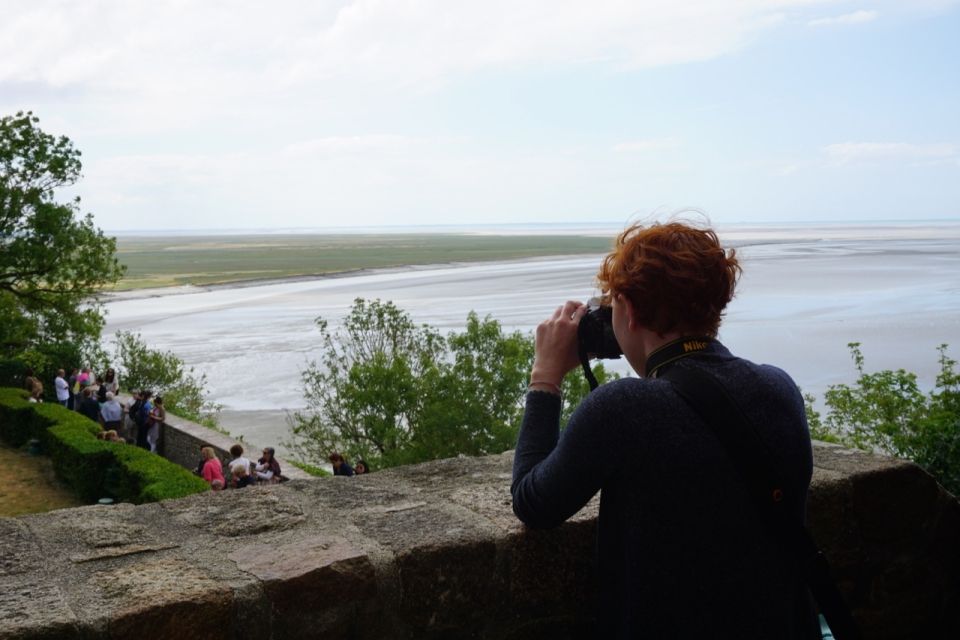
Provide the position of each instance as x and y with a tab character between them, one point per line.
684	550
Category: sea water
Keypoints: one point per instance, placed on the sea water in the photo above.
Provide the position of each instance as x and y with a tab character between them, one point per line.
805	293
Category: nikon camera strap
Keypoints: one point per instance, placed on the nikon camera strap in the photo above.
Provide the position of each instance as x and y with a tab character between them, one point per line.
741	441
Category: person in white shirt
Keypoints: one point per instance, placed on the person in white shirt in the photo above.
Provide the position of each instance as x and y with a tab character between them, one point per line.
63	389
238	459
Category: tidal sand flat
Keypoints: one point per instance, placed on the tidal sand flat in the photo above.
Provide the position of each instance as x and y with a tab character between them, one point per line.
806	292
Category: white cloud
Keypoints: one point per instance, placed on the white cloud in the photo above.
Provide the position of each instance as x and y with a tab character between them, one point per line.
350	144
222	112
646	146
220	47
853	152
856	17
147	67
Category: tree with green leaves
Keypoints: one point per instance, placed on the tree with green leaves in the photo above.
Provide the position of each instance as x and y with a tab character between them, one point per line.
184	391
53	259
887	412
393	392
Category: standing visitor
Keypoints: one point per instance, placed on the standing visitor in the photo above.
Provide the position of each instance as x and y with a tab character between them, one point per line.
62	388
156	417
110	381
101	390
73	386
29	381
89	406
36	395
684	551
142	415
111	413
132	412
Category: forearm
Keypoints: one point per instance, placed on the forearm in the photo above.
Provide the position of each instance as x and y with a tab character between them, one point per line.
539	434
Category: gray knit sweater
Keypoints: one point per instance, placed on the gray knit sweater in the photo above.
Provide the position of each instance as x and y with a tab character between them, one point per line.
682	551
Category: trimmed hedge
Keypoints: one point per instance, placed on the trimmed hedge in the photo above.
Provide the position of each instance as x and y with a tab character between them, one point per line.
93	468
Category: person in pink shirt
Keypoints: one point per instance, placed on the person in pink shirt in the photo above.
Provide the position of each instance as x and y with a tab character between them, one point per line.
212	469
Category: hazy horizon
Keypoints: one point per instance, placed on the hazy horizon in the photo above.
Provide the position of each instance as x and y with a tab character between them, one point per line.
533	225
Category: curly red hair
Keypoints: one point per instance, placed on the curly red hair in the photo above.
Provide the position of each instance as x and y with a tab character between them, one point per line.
676	276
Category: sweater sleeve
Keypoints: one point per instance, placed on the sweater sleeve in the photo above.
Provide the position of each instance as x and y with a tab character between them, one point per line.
555	475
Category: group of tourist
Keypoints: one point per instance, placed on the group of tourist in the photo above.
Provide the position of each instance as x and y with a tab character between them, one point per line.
97	397
241	471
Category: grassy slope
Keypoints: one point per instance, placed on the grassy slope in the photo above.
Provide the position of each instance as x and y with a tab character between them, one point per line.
168	261
30	486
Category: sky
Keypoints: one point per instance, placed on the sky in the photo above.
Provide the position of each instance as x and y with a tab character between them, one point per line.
248	114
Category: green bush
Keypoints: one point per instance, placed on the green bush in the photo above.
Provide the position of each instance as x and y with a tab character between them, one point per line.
93	468
886	411
184	391
392	392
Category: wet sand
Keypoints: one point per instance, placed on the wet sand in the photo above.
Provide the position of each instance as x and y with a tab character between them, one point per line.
806	293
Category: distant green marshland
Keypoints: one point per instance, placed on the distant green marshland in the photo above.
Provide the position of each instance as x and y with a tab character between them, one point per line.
155	261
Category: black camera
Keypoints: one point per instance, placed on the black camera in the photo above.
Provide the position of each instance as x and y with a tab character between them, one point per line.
595	333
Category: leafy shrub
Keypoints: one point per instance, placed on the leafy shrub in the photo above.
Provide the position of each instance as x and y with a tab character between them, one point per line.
887	412
183	390
92	467
393	392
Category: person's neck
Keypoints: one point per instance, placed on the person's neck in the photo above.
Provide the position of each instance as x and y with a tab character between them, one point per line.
653	341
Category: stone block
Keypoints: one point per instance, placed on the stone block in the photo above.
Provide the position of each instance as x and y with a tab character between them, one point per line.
555	565
314	585
832	523
19	548
32	607
893	505
446	564
162	598
243	512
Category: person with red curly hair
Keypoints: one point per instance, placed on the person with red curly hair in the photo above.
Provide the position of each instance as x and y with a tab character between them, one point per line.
683	552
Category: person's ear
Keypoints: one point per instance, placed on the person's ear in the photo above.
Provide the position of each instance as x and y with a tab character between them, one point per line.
631	312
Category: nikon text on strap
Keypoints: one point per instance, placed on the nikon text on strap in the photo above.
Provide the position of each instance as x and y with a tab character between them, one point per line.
740	439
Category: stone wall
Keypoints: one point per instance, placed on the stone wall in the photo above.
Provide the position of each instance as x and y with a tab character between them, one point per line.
425	551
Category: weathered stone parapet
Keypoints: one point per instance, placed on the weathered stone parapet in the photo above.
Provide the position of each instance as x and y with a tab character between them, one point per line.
424	551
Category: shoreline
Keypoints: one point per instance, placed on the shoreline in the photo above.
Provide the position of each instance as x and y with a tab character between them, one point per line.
735	236
183	289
